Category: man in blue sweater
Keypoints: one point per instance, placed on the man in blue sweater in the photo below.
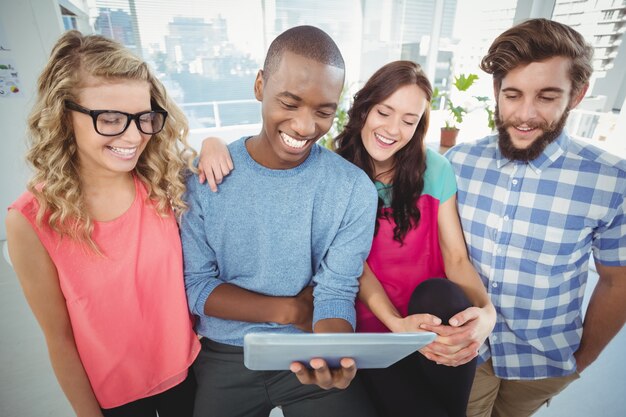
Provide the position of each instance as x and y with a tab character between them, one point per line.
291	216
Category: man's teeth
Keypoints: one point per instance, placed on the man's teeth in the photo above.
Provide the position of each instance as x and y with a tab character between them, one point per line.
384	139
524	129
123	151
294	143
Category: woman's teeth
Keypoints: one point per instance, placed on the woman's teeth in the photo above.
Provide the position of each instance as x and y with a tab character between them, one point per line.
384	139
123	151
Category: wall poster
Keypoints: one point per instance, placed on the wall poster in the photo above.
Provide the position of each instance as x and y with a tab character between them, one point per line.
9	79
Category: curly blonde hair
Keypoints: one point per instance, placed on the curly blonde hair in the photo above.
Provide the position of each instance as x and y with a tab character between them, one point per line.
53	152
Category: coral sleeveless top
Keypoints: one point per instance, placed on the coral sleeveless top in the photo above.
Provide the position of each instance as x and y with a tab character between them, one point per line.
127	307
401	268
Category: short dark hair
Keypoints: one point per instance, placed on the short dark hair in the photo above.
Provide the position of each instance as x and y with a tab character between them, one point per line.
307	41
537	40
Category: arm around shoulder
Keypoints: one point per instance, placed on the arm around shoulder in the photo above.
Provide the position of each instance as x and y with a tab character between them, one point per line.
215	162
38	278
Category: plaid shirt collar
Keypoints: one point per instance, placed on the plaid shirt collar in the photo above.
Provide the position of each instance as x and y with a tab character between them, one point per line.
551	154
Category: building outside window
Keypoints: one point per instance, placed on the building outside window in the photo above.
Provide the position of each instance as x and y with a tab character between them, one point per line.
207	52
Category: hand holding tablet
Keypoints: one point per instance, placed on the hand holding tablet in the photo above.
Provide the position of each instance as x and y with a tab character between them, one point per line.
276	351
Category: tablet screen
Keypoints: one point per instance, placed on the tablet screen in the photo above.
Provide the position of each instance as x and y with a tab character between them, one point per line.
276	351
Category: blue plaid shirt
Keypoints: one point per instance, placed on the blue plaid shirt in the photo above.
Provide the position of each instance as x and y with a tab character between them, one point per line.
530	228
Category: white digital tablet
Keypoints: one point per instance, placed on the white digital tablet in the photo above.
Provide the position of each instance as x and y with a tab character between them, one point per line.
276	351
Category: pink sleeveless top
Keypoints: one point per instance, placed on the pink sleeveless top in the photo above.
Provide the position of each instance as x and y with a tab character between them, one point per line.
401	268
128	308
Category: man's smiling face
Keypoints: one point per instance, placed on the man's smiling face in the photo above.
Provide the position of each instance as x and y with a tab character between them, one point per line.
299	100
533	103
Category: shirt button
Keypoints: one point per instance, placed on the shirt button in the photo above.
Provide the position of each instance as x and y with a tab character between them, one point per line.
514	182
506	218
494	337
499	251
494	284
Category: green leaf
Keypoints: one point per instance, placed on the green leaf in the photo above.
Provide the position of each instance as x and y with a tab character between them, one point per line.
458	113
463	82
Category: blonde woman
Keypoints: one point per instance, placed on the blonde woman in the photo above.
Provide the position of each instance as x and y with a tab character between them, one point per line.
94	240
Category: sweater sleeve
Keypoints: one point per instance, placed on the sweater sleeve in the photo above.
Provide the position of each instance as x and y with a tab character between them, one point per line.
337	279
200	264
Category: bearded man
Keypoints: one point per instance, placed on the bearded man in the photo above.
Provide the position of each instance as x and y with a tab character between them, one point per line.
534	204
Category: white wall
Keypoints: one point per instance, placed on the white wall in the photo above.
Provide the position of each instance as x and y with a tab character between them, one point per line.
29	28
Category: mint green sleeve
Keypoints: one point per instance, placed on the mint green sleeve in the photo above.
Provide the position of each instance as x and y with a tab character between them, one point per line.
439	179
448	188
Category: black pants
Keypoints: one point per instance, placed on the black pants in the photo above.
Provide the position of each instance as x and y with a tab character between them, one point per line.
175	402
416	386
226	388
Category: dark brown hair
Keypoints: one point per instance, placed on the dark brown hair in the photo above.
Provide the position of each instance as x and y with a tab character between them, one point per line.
410	161
537	40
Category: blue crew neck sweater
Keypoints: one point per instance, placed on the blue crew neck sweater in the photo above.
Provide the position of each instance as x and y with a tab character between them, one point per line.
276	231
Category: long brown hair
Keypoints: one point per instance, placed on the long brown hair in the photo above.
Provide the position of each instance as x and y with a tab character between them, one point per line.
410	161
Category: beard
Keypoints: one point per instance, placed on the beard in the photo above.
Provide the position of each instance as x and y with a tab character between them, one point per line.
551	131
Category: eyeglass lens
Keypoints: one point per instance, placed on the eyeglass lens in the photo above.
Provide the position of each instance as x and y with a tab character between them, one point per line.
114	123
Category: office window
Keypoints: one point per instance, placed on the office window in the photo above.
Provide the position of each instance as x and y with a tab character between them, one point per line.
69	19
207	52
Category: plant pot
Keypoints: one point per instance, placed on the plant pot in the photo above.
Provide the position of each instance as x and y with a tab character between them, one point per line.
448	136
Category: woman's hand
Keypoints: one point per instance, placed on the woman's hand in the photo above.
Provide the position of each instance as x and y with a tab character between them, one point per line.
412	323
458	343
214	162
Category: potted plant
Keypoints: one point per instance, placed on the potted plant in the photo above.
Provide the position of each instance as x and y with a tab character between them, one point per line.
455	111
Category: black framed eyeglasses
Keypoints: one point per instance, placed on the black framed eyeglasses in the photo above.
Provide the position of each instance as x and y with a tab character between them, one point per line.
114	122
